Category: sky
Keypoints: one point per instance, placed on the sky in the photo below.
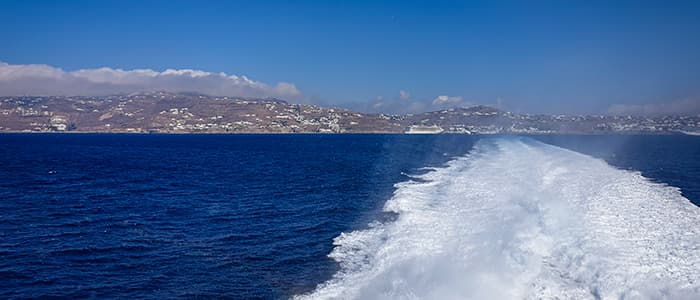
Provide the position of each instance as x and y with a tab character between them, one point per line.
617	57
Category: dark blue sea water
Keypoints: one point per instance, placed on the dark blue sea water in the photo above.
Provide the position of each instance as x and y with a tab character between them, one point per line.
226	216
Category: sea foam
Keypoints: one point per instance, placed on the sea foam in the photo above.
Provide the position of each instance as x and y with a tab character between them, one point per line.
519	219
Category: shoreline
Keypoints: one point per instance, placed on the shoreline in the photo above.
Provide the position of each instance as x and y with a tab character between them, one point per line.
347	133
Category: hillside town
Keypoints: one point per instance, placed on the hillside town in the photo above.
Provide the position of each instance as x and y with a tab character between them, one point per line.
164	112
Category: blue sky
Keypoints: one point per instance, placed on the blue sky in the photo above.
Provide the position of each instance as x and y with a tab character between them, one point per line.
526	56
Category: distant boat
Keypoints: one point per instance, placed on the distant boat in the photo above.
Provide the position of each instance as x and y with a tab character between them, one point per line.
421	129
691	132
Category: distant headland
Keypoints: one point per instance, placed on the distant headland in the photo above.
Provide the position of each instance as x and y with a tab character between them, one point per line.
164	112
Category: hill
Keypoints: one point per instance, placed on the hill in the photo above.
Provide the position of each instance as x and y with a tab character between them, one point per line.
195	113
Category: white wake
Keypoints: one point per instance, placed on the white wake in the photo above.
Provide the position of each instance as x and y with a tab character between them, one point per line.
519	219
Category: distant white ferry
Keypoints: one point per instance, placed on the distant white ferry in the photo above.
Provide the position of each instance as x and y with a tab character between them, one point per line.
421	129
690	132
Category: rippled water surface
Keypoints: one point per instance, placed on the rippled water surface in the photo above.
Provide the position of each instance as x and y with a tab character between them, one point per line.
227	216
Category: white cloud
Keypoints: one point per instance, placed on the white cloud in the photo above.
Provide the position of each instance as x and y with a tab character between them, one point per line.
690	106
444	100
47	80
404	95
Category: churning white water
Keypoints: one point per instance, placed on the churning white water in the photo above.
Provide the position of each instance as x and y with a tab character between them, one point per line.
519	219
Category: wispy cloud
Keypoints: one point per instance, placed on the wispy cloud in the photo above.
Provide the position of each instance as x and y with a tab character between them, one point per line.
689	106
447	100
404	103
404	95
39	80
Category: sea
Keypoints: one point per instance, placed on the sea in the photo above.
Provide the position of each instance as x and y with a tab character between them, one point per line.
349	216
